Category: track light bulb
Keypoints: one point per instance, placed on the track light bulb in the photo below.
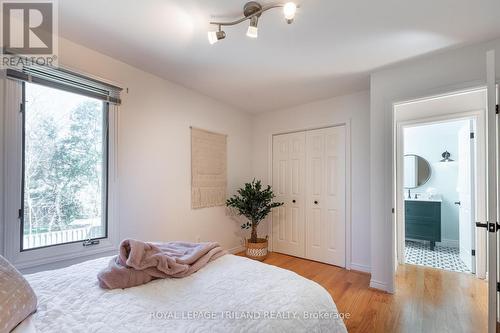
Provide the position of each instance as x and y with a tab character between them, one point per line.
289	10
252	31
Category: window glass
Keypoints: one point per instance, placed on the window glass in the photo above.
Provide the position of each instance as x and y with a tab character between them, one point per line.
64	167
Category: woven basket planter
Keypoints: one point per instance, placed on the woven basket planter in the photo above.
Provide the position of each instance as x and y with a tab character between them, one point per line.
257	251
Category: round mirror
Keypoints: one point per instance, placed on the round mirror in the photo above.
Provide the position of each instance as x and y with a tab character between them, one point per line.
417	171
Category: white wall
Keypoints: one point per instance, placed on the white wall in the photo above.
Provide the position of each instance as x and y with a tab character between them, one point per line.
429	142
337	110
154	156
438	73
155	153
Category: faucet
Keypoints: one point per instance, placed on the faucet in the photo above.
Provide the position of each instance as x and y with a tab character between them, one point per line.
409	194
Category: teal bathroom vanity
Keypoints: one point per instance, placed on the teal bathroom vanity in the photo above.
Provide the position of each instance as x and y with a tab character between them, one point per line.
423	220
422	216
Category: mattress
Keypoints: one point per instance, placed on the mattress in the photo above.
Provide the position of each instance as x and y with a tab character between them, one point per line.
230	294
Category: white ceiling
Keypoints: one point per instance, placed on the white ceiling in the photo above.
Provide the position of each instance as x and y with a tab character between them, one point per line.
329	50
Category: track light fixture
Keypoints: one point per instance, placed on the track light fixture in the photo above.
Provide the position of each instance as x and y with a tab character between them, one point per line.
252	11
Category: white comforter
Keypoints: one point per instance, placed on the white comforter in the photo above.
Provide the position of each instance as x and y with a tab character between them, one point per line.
231	294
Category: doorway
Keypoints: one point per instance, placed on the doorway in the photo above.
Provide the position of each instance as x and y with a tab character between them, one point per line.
441	182
438	108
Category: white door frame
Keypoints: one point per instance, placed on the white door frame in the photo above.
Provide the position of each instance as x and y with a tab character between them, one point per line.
493	171
347	124
479	117
469	229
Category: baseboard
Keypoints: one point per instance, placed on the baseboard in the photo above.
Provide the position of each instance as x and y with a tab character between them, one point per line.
378	285
360	268
236	249
449	243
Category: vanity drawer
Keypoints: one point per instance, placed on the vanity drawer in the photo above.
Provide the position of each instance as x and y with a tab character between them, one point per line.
423	230
423	209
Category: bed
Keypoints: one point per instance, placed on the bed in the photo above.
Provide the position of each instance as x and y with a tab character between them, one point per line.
231	294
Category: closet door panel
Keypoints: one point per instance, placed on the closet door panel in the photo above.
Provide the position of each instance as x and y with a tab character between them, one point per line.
280	167
325	198
314	189
288	185
335	199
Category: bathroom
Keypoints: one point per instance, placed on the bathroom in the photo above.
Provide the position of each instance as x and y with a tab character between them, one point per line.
439	161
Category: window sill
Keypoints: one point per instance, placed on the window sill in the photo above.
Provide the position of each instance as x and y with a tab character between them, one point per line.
57	254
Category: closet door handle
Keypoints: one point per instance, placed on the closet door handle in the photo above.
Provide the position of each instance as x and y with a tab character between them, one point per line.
294	201
316	202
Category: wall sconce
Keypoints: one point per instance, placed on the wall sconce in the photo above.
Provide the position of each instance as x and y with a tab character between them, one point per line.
446	157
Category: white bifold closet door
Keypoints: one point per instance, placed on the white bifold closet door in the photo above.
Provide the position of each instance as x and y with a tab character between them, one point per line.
325	195
289	160
309	177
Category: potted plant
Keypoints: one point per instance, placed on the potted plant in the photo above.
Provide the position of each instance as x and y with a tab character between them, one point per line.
255	203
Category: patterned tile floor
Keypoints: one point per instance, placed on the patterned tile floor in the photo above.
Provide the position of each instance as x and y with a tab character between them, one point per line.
419	253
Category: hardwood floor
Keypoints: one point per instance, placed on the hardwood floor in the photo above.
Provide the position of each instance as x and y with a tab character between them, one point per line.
426	300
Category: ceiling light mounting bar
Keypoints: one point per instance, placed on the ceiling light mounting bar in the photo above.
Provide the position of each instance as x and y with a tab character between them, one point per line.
257	13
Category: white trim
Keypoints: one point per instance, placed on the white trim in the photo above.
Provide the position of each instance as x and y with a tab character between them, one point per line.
270	177
492	197
348	195
360	267
237	249
348	206
439	95
12	157
44	256
378	285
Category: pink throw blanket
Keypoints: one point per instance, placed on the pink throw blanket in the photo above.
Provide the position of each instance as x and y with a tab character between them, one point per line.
141	262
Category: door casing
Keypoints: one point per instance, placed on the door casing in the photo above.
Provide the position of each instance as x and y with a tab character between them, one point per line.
479	117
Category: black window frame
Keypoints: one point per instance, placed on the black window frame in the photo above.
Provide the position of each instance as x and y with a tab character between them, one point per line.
105	214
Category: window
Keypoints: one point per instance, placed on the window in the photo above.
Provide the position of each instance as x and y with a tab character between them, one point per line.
64	181
61	176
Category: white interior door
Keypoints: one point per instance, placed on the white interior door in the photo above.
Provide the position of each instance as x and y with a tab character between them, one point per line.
325	197
289	188
493	171
465	194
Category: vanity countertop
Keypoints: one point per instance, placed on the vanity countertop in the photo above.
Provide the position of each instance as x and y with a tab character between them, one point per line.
424	199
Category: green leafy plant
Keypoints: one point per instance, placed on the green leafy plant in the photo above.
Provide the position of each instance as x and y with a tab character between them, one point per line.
255	203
